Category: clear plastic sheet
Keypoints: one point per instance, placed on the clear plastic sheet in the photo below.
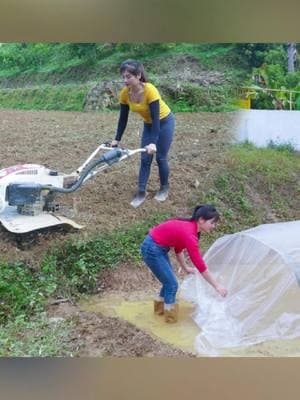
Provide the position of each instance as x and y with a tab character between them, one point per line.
260	267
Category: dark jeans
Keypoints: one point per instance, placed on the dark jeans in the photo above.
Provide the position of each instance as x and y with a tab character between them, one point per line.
157	259
163	144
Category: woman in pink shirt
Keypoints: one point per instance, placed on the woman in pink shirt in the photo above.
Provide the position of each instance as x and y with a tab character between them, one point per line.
180	234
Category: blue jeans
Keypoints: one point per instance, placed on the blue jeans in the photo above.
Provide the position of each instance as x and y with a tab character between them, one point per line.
163	144
157	259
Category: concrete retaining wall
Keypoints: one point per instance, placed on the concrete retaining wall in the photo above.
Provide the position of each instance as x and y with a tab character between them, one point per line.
261	126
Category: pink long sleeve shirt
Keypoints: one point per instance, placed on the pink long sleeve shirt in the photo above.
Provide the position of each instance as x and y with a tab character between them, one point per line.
180	235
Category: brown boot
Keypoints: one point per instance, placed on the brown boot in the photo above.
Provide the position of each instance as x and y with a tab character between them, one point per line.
171	316
158	307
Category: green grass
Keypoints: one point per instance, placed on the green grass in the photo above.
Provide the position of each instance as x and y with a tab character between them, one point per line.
255	184
47	97
284	147
71	98
68	270
37	337
23	291
193	98
75	266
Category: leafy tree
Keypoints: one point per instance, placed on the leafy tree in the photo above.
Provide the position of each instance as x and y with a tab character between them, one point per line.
86	51
292	56
253	54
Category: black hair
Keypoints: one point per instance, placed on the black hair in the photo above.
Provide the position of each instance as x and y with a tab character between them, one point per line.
205	211
135	68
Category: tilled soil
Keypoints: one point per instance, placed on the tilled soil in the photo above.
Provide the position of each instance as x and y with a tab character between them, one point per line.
62	141
96	335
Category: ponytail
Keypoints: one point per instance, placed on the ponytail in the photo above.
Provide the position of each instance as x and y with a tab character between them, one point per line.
205	211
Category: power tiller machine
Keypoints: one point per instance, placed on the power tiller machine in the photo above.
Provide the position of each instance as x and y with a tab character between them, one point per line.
27	191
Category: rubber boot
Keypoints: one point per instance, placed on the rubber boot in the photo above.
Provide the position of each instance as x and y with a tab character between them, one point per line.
158	307
171	316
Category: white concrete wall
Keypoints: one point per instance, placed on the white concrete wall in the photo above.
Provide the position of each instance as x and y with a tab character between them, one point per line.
261	126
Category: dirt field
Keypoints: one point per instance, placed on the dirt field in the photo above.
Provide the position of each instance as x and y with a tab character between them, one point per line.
62	141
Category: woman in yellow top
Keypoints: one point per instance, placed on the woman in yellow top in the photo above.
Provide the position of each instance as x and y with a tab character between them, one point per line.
142	97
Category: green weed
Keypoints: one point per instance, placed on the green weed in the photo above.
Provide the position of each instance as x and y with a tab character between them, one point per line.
75	266
23	291
37	337
254	184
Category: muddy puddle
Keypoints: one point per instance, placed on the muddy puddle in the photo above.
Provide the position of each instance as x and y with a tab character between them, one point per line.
139	311
137	308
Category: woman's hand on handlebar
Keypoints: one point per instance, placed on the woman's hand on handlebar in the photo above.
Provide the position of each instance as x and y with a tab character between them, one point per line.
114	143
151	148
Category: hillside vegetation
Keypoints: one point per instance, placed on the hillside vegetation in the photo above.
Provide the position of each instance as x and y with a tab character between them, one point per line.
192	77
58	76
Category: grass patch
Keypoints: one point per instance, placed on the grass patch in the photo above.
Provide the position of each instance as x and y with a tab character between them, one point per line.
75	266
71	97
38	337
46	97
255	186
195	98
284	147
23	291
68	270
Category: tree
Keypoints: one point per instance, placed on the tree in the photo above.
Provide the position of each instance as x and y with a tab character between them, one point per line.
292	56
